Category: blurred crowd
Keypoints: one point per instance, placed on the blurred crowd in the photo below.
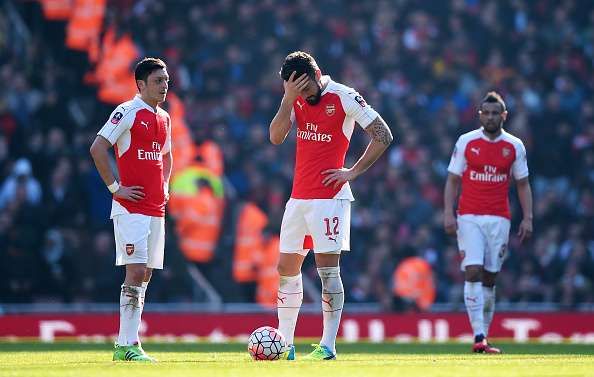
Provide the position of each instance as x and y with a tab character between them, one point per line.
422	65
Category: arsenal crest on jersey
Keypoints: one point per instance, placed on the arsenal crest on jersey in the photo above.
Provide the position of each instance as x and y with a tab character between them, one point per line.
506	152
330	109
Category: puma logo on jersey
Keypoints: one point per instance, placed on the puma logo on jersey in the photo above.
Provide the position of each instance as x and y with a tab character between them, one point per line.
472	299
145	124
332	239
475	150
300	105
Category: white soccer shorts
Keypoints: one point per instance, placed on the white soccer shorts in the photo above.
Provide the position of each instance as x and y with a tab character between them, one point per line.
482	240
139	239
327	221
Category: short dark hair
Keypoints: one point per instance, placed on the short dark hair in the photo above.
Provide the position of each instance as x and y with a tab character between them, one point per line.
299	62
494	97
146	66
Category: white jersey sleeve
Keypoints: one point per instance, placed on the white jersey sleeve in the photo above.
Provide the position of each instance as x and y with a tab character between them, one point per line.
458	160
167	147
520	165
292	118
120	120
355	107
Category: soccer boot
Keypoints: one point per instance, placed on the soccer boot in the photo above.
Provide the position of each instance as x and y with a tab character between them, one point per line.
145	354
289	353
490	349
131	353
321	352
481	345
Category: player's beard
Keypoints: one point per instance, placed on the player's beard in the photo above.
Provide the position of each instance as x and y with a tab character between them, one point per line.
492	127
315	99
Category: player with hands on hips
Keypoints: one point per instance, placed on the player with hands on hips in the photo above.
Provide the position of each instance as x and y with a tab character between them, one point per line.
139	131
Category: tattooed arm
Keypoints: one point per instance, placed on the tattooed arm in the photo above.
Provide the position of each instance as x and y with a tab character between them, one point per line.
381	137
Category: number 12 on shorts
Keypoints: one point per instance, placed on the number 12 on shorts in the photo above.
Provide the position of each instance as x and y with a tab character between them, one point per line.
334	222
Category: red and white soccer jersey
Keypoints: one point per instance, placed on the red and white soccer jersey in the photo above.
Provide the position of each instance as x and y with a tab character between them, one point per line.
323	136
317	216
141	136
486	167
483	221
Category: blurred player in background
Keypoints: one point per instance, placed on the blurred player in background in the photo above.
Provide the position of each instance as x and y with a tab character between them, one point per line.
482	164
140	132
318	213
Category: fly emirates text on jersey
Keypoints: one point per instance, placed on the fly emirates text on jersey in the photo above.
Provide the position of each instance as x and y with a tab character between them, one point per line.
154	155
311	133
489	175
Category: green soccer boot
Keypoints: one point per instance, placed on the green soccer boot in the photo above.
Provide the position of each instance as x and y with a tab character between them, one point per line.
321	352
131	353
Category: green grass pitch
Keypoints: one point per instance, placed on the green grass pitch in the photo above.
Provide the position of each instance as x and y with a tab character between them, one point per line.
33	359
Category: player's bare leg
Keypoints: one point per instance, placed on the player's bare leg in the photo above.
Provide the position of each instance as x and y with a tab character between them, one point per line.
289	297
489	306
332	304
128	346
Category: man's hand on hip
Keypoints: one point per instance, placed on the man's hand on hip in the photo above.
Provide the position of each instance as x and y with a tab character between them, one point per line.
132	193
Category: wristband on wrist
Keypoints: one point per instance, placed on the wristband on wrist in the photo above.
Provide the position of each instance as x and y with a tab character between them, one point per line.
114	187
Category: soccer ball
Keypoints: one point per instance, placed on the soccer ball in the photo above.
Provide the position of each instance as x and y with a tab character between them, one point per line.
266	343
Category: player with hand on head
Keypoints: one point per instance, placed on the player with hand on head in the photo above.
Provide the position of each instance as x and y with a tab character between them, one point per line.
318	213
140	132
482	165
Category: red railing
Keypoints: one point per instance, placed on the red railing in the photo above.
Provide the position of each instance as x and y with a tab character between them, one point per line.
548	327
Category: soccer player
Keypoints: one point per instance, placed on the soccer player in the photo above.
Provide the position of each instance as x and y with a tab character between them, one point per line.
318	212
140	132
482	164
